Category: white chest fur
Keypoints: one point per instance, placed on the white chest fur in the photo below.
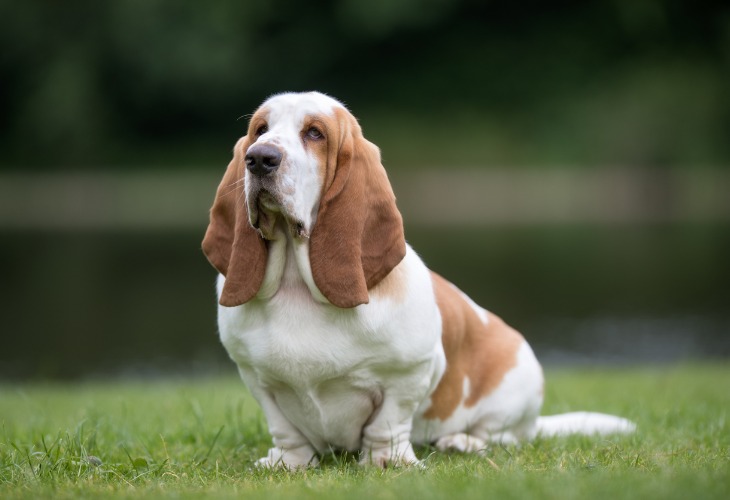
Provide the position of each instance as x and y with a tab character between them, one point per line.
328	369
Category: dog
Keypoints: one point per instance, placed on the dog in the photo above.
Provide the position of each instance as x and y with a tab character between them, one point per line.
342	334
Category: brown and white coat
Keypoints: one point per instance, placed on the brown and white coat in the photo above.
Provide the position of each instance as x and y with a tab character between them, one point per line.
342	334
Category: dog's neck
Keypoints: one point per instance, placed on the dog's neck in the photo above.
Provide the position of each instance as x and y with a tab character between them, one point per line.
288	267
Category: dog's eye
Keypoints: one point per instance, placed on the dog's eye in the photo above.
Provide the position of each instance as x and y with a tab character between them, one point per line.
262	130
314	133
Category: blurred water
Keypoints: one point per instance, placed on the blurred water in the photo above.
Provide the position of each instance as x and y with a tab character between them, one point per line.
88	302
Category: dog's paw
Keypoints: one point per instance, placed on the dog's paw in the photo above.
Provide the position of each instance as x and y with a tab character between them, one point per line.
290	459
401	456
460	442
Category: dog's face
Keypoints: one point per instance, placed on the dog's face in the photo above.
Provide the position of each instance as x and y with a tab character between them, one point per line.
289	138
305	171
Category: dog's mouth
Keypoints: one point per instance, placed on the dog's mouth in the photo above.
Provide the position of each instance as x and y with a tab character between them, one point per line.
266	212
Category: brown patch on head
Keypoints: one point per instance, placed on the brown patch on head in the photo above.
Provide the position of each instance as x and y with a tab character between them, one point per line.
259	119
358	237
481	352
329	127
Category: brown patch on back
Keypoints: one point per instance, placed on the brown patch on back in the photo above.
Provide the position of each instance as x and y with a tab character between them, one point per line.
481	352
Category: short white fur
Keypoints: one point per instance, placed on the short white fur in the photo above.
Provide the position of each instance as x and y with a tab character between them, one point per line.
360	378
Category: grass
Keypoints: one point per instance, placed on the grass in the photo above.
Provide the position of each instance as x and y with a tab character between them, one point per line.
192	438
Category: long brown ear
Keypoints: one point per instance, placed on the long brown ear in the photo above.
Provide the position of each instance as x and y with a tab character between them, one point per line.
358	237
231	245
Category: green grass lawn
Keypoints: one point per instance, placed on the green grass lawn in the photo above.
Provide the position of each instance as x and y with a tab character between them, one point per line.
187	438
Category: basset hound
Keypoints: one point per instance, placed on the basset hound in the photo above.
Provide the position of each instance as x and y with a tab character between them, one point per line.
339	330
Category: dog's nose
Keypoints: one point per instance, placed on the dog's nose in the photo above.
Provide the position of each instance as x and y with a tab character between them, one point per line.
262	159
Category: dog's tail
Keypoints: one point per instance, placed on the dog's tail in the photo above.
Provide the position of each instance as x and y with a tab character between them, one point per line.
583	422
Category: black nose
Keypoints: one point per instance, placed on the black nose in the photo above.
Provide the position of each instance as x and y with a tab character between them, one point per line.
262	159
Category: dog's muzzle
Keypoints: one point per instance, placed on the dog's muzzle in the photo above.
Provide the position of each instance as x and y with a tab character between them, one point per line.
263	159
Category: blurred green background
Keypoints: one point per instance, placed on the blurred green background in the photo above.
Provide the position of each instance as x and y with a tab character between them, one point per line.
566	163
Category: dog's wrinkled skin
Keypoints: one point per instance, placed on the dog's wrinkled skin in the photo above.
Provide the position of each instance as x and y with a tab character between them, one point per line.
340	331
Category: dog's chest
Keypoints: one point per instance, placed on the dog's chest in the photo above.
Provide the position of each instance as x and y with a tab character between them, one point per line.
294	340
319	363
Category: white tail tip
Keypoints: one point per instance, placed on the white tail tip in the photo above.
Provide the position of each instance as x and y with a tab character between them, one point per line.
583	422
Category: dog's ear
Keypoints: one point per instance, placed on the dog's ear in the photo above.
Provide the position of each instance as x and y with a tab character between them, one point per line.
358	237
231	245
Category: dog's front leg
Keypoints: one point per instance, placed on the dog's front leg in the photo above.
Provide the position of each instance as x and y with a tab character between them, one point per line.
386	440
291	449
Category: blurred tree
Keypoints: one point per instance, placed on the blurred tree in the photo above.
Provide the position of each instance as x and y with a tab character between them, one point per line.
89	83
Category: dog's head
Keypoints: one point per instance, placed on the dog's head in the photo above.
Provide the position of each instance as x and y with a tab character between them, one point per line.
305	171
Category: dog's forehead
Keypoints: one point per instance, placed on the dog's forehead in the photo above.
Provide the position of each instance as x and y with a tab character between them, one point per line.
295	107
